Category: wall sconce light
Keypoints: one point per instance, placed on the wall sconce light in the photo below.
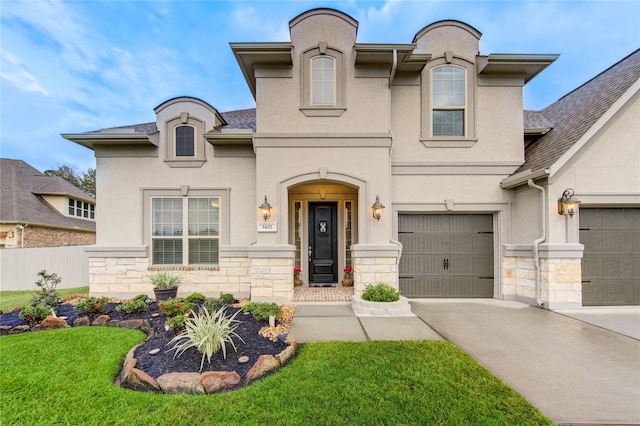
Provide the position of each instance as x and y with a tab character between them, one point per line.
568	204
265	208
10	234
377	208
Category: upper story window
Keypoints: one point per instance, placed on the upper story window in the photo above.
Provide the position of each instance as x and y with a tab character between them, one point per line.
185	141
323	77
82	209
185	145
448	101
323	80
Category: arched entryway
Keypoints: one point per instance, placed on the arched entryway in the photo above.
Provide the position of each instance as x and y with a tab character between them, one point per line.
323	226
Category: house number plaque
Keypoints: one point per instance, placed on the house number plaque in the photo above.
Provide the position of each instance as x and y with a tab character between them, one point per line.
267	226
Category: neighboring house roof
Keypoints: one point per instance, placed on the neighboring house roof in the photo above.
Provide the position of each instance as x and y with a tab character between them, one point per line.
21	190
575	113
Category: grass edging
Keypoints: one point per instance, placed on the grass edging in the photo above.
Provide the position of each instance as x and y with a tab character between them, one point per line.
66	377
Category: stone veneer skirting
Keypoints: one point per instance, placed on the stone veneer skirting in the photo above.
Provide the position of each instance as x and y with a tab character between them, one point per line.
560	275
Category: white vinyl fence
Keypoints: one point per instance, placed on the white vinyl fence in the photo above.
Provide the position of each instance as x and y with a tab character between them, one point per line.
19	267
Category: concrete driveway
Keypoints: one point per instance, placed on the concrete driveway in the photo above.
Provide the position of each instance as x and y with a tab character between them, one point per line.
573	371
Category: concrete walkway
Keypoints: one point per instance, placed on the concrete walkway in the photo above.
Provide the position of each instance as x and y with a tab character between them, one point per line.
574	369
337	322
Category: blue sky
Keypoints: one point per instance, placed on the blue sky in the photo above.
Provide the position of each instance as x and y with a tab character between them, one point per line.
76	66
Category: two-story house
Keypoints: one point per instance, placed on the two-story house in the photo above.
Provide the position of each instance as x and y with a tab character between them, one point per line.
398	160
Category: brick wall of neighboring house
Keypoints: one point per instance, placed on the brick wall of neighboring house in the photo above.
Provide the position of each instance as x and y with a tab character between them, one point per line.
35	236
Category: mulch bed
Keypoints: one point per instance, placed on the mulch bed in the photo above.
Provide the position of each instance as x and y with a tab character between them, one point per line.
252	344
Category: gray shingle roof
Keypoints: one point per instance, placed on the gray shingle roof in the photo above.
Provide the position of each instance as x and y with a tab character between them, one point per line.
536	120
21	187
575	113
241	119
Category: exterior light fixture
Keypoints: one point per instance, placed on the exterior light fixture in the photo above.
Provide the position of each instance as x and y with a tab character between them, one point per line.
377	208
265	209
10	233
568	204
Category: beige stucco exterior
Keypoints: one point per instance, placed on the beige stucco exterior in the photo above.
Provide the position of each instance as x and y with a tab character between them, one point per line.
375	141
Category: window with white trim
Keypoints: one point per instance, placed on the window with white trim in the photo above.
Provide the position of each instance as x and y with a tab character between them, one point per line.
323	80
185	230
82	209
448	101
185	141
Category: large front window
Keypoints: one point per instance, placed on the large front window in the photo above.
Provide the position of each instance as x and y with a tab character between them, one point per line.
185	231
448	101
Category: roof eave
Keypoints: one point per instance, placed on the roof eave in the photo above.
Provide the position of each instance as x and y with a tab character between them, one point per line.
95	140
375	55
248	55
236	138
538	131
523	177
526	66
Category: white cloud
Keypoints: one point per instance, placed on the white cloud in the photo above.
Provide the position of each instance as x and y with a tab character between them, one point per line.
16	73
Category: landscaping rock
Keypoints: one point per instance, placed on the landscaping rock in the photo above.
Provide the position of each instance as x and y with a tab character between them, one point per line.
4	330
180	383
136	324
284	356
101	320
154	351
214	381
50	323
82	322
113	323
139	380
264	365
243	359
19	329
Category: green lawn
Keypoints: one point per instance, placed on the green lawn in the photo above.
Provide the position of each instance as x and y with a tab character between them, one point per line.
10	299
65	377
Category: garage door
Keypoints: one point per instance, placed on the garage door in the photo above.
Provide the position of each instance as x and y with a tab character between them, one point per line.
446	255
611	262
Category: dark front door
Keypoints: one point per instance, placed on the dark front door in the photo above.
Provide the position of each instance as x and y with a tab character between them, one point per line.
323	243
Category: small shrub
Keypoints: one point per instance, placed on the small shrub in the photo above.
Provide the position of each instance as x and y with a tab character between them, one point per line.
92	305
227	299
208	333
164	279
176	323
212	305
132	306
195	298
34	313
380	292
142	297
175	306
262	311
44	299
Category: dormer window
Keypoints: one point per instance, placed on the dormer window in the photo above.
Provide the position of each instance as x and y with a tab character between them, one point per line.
82	209
323	80
449	101
185	141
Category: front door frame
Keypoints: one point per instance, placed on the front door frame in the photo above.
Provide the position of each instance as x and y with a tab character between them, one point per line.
323	219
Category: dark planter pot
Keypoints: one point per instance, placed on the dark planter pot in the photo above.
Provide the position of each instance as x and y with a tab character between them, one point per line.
165	293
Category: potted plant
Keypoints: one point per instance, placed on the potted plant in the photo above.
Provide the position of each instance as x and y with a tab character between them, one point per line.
348	280
297	281
165	284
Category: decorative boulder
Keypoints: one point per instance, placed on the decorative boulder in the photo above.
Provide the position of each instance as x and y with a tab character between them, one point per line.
214	381
50	323
264	365
180	383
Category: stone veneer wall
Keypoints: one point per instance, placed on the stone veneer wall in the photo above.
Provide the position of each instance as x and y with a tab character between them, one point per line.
373	264
125	277
272	279
560	275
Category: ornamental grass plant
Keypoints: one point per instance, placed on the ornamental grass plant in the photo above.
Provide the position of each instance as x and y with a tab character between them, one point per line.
208	333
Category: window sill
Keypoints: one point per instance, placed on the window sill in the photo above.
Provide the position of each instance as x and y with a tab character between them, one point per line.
193	163
448	143
323	111
184	268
